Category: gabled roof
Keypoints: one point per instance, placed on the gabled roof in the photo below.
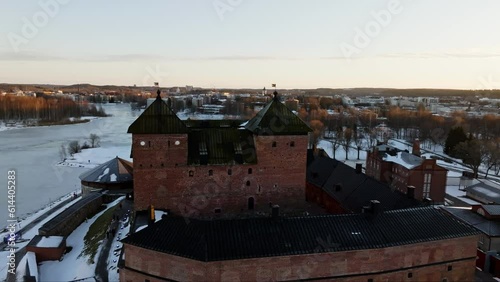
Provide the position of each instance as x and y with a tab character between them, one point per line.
493	210
354	190
276	119
114	171
484	191
481	223
234	239
158	118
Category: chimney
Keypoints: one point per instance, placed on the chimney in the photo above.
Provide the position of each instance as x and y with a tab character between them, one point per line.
375	207
410	192
276	212
338	187
416	148
359	168
152	219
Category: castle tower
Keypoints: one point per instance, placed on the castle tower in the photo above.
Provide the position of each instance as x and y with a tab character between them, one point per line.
159	141
281	142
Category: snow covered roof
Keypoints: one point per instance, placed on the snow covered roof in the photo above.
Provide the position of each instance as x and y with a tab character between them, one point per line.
484	191
114	171
50	242
404	159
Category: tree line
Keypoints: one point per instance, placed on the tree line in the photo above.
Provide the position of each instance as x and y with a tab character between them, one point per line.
44	108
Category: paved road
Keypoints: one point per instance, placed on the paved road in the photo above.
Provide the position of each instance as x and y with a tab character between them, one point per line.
101	270
21	252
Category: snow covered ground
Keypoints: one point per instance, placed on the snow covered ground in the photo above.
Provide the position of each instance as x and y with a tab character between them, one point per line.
340	153
73	266
28	235
90	158
34	154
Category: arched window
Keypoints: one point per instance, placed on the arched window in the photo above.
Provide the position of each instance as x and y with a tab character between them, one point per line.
274	144
248	183
229	172
250	171
292	144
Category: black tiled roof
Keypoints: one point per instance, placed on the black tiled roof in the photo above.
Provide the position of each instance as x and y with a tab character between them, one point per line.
276	119
158	118
487	226
354	190
120	168
266	237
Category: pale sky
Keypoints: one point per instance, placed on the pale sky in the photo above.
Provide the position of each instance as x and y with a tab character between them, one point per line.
253	43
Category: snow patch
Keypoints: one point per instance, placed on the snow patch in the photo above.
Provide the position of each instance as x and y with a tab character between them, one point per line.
112	177
50	242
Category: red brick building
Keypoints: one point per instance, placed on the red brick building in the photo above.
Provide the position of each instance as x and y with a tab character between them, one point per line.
421	244
339	188
401	169
202	169
205	168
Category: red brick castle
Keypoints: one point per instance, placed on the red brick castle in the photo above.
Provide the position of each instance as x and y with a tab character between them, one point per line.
203	168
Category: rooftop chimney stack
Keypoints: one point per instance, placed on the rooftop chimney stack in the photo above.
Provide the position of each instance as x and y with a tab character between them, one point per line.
375	207
416	148
276	212
410	192
359	168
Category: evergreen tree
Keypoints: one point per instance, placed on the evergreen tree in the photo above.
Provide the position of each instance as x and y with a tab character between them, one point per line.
455	136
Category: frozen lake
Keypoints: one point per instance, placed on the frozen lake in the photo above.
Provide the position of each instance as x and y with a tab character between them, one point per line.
34	153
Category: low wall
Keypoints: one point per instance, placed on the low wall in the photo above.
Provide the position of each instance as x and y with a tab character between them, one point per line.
64	223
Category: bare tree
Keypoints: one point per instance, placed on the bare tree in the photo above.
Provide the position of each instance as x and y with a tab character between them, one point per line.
346	139
492	158
74	147
94	140
62	152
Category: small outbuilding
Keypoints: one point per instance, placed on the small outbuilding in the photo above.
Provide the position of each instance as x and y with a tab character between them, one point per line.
114	175
47	247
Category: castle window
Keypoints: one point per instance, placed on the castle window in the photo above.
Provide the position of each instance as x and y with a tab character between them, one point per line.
162	165
274	144
410	275
229	172
210	172
292	144
218	210
149	143
191	173
248	183
450	267
249	171
370	279
168	143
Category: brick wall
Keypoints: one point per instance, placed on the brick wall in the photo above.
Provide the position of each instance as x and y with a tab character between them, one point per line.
163	178
453	259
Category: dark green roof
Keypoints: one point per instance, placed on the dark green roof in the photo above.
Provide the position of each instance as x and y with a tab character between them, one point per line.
158	118
277	119
221	145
